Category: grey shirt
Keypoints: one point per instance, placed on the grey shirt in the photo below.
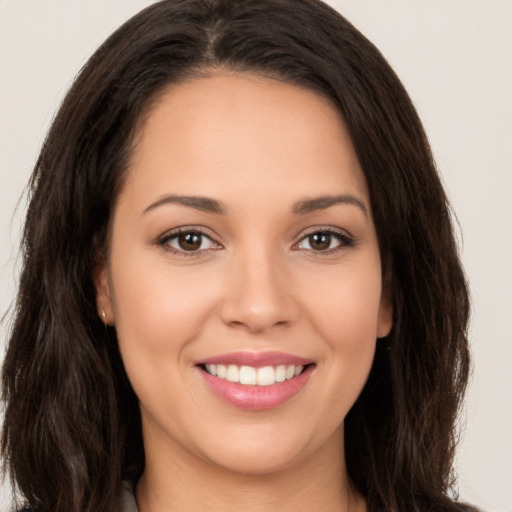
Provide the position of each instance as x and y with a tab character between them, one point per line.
128	503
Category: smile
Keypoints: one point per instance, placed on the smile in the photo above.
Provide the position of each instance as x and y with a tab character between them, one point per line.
251	376
256	381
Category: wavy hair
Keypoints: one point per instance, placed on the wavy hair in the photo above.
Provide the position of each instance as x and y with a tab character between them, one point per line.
72	426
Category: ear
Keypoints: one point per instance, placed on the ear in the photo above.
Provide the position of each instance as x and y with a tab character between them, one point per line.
103	294
385	316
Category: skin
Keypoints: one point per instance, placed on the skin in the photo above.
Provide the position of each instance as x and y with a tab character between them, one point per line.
256	284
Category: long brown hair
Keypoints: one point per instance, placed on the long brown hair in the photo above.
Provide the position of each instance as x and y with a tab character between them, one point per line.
72	426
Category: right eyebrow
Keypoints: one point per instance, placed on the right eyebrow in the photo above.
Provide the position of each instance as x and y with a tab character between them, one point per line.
204	204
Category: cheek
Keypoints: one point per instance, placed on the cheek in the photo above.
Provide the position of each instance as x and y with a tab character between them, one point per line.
344	304
159	312
158	308
344	312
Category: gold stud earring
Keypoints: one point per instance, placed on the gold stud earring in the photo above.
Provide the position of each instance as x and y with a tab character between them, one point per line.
104	316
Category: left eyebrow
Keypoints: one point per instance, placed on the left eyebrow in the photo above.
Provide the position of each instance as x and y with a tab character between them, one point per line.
204	204
324	202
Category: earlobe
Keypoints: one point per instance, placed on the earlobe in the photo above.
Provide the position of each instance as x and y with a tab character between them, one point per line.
103	294
385	318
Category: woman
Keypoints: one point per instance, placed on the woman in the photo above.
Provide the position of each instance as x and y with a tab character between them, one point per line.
240	284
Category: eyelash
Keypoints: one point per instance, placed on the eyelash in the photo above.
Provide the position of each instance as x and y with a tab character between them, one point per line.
345	241
175	233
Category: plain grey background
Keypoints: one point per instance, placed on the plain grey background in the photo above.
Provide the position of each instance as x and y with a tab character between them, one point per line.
455	59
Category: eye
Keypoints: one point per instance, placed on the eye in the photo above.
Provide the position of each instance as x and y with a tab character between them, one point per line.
325	241
188	241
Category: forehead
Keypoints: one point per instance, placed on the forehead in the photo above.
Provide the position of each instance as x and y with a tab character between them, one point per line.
235	133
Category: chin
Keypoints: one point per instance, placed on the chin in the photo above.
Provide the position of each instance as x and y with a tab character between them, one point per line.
267	450
256	463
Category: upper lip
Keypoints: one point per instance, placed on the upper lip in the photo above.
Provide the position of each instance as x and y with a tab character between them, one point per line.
256	359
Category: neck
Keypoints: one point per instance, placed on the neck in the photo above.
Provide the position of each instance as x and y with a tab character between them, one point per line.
186	483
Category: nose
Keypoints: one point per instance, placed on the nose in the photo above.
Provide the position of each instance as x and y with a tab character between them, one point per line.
259	293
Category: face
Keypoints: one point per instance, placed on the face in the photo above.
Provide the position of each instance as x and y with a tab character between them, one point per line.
244	275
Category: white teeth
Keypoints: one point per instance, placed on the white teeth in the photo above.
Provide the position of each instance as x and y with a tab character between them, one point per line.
247	375
221	370
281	373
266	376
250	376
233	374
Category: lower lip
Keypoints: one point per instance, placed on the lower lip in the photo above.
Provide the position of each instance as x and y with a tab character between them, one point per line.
256	398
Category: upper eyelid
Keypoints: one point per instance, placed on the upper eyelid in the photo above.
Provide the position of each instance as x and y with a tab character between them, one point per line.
323	229
188	229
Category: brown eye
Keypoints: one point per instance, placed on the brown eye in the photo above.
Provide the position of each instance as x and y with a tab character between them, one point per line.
320	241
325	241
190	241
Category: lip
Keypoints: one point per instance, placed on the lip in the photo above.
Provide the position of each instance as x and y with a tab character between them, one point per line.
256	359
256	398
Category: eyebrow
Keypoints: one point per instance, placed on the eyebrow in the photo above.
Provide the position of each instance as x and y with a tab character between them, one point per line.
208	205
324	202
204	204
